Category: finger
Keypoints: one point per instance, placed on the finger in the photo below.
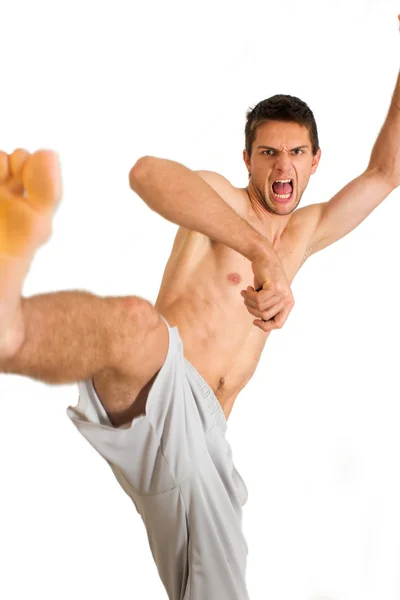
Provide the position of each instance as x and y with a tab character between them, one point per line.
266	315
257	312
265	327
259	289
278	320
257	298
265	294
250	291
250	300
272	313
269	303
254	311
250	295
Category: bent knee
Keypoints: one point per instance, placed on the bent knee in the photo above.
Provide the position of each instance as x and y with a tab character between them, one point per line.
142	341
141	312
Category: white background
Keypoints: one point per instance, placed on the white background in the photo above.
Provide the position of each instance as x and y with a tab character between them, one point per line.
315	433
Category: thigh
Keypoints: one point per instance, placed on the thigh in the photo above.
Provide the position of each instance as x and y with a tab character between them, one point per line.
123	389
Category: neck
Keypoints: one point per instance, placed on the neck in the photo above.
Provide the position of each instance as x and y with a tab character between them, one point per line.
272	225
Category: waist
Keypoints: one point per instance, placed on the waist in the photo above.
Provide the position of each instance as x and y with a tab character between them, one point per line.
223	351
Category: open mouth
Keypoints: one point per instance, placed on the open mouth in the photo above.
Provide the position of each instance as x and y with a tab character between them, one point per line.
282	190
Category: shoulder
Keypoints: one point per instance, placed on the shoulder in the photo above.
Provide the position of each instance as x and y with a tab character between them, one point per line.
233	196
303	225
307	216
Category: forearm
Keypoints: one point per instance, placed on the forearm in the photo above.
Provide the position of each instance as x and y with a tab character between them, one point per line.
181	196
385	156
68	336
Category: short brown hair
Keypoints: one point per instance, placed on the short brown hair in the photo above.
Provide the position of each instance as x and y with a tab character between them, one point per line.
281	108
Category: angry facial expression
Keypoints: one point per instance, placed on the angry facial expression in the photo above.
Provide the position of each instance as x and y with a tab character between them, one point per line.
280	165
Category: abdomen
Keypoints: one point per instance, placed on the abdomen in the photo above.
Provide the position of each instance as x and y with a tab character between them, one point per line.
200	294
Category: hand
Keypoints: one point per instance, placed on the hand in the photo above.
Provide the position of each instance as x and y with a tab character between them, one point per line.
271	299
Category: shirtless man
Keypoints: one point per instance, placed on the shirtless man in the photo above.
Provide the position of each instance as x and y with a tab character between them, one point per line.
157	383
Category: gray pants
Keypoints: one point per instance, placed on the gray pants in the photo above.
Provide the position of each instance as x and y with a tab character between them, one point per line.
176	466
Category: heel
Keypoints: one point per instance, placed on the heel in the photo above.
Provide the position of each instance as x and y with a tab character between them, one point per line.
13	337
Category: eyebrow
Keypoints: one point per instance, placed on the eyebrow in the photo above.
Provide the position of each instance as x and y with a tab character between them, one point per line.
276	150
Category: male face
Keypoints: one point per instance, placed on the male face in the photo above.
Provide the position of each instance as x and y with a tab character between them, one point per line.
281	151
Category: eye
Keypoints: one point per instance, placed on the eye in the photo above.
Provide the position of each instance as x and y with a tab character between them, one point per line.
266	152
298	150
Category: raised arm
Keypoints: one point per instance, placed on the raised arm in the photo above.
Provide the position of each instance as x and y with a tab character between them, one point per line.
385	157
336	218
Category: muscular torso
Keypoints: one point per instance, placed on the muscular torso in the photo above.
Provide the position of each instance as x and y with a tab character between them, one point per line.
200	293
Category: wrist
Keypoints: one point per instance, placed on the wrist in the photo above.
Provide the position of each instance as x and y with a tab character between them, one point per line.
261	249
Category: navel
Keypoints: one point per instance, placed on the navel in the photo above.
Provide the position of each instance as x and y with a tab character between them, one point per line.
234	278
221	387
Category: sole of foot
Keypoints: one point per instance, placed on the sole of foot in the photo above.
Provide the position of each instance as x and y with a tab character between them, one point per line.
30	191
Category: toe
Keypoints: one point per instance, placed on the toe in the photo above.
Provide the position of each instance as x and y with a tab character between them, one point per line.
4	167
17	161
41	178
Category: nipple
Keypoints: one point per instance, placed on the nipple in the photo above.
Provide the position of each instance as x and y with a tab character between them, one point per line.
234	278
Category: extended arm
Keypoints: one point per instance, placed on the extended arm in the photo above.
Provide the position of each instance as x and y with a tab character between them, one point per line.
183	197
334	219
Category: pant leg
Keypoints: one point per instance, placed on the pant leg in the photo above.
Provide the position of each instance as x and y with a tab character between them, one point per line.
176	465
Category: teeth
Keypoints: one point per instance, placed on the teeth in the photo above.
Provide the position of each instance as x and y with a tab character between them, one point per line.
284	196
283	181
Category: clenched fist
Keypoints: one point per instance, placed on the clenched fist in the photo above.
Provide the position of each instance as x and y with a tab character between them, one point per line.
271	299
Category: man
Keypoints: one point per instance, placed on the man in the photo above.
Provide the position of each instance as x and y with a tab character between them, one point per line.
157	383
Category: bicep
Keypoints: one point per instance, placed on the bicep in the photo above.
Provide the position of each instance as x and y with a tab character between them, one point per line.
231	195
347	209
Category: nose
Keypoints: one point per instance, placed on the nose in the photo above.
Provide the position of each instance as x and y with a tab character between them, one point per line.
283	162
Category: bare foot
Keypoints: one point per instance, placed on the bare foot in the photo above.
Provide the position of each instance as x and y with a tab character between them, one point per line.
30	190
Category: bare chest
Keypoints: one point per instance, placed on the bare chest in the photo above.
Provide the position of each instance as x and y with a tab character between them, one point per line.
195	258
200	293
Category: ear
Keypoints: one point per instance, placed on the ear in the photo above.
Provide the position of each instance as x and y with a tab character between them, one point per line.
247	161
315	162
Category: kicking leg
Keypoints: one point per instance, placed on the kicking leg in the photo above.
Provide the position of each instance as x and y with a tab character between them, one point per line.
30	189
62	337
